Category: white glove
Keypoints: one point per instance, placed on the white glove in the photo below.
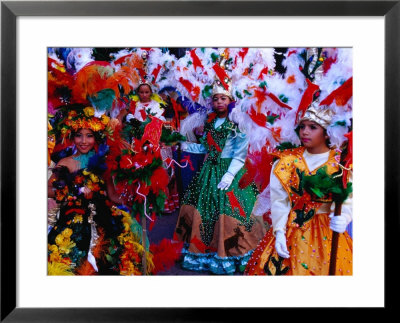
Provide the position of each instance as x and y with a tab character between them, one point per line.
129	117
338	223
226	181
280	244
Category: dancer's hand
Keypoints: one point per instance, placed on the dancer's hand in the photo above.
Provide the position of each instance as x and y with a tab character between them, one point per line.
226	181
199	131
280	244
183	145
338	223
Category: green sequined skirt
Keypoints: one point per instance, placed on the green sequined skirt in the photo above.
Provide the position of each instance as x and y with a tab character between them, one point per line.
217	224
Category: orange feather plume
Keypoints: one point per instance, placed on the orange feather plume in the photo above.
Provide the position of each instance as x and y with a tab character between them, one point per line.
91	79
126	77
100	248
86	269
261	96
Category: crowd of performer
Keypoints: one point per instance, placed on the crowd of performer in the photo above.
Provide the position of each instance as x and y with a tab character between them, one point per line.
250	147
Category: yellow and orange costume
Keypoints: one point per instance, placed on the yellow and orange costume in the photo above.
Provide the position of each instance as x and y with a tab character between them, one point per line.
307	224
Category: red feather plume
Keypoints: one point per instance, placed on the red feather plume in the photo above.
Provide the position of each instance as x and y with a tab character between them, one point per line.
258	167
196	60
341	95
279	102
155	72
159	180
165	254
348	160
194	91
306	99
58	78
243	52
263	72
258	118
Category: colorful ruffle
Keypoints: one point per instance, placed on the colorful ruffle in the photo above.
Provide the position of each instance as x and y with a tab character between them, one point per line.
211	262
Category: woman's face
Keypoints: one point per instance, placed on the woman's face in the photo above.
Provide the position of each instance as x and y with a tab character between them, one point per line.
220	104
144	93
84	140
313	136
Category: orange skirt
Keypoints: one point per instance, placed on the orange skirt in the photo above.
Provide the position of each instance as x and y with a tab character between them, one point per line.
309	252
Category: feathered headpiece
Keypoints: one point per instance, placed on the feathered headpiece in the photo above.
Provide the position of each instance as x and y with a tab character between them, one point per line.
222	83
145	77
219	88
335	120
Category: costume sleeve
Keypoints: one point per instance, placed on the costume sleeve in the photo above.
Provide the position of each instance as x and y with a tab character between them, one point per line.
239	144
347	205
194	148
280	203
263	202
235	166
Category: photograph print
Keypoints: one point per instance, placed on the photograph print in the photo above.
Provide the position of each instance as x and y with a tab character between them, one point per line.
199	161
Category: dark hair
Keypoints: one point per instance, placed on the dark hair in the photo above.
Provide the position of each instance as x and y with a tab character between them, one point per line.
138	88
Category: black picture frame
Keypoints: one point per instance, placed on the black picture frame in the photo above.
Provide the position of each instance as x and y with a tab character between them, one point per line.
10	10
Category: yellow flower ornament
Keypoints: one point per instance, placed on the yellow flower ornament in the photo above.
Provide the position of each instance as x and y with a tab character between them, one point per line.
94	178
67	232
81	118
105	119
88	111
78	219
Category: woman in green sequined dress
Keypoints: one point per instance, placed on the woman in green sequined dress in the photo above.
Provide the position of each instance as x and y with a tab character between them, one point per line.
215	217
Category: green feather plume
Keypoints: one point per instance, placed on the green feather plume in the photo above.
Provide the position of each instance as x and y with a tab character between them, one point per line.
324	185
